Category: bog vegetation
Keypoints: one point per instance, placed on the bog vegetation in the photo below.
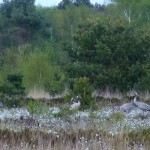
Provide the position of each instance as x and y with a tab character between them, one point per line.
72	49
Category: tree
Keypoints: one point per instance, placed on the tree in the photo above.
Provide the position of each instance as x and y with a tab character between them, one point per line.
110	54
134	10
20	22
39	72
21	12
64	3
83	2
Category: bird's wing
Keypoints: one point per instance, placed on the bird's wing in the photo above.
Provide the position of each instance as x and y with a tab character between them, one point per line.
143	105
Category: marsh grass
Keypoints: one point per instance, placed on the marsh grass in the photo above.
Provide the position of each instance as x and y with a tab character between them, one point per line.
107	93
38	93
93	136
41	94
75	140
117	116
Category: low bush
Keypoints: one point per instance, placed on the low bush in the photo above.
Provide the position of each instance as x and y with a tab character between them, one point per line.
83	88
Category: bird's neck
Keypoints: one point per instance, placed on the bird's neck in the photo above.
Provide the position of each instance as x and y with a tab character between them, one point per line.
78	102
135	98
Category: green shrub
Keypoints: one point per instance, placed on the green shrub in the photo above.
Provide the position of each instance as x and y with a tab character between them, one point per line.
13	85
83	88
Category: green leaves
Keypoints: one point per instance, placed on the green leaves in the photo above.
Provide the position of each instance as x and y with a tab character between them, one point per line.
117	49
40	72
21	12
13	85
134	11
83	88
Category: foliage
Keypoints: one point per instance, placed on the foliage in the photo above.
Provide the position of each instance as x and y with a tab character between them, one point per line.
134	11
64	3
20	22
39	72
111	53
21	12
52	46
83	88
13	85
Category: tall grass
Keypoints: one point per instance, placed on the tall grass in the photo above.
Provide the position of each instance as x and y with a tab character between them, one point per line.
38	93
108	94
77	141
74	140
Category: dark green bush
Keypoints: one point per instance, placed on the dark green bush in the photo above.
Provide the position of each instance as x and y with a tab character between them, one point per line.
13	85
83	88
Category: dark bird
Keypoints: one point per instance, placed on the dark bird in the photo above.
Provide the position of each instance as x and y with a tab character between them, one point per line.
127	107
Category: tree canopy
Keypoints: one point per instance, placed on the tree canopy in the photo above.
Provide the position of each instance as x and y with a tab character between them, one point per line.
110	55
64	3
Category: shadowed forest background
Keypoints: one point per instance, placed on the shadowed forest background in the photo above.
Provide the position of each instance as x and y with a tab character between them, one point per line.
52	47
